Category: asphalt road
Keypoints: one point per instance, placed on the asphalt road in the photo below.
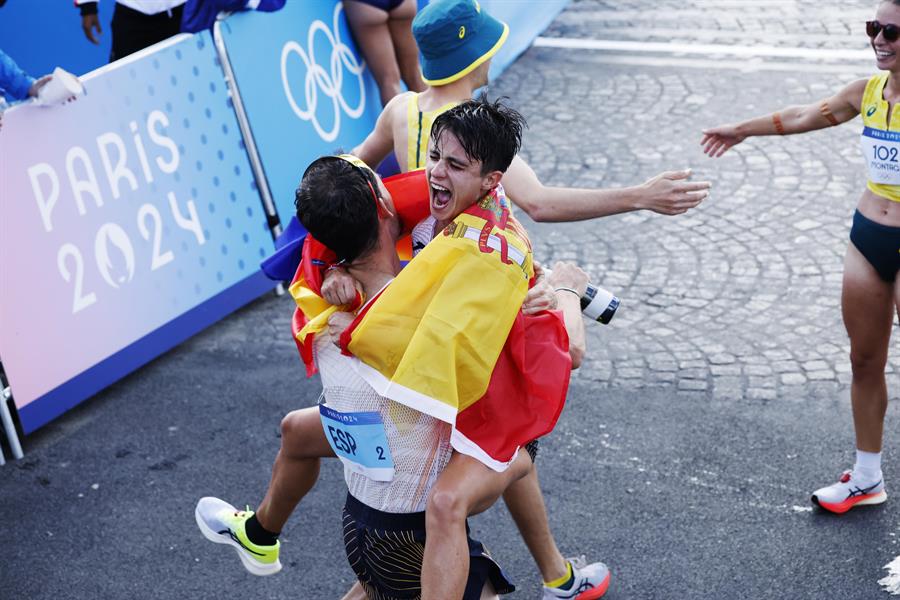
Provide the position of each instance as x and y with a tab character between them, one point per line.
707	412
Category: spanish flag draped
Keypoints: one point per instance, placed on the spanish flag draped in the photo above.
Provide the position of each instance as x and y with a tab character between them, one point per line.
447	337
410	194
312	311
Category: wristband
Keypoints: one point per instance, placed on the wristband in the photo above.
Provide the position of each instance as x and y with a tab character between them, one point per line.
826	112
566	289
776	119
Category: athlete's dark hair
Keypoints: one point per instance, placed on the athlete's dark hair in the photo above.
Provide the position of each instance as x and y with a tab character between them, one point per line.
335	204
489	132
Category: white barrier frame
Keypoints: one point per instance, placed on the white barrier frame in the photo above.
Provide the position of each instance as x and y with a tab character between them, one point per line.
9	426
259	172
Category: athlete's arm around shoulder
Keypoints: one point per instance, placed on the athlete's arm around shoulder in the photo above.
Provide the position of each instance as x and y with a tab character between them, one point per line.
834	110
380	142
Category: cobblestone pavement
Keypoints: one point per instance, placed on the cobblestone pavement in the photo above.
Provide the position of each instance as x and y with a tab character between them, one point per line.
740	297
791	23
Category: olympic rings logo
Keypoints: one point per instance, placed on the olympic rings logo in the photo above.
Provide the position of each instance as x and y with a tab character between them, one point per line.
318	79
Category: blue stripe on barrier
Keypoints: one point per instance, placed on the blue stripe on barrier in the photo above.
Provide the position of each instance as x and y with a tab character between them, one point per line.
52	404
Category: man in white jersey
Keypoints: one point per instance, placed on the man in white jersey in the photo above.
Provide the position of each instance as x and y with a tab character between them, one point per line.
392	454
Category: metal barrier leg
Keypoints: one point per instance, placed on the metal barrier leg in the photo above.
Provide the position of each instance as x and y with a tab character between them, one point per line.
8	425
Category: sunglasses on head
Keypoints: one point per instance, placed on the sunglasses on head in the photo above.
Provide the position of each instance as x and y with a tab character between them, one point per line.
888	31
369	175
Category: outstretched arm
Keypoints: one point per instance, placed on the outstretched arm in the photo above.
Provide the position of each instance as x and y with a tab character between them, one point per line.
835	110
668	193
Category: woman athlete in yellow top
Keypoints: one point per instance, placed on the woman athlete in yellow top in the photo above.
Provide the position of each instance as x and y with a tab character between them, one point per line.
871	288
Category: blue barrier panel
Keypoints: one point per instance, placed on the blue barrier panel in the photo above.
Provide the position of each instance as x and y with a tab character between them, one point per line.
304	87
129	220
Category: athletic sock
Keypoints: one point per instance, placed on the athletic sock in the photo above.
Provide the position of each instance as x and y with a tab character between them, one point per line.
868	466
565	582
258	534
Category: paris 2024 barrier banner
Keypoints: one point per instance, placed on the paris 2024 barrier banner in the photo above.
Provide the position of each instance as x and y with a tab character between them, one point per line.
129	220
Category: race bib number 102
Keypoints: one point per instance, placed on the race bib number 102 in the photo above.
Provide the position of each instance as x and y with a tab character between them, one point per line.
881	151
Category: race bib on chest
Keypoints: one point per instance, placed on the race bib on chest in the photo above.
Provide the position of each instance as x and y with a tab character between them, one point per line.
359	440
881	151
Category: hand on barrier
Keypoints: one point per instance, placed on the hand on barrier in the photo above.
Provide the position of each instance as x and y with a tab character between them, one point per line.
59	87
35	88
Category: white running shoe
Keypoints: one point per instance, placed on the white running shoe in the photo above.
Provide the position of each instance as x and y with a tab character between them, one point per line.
222	523
846	493
591	582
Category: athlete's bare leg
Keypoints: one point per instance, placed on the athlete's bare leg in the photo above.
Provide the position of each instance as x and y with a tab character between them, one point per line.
372	34
405	48
464	488
526	505
296	467
867	304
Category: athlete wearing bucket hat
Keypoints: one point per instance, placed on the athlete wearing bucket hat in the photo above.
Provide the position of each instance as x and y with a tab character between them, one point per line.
454	38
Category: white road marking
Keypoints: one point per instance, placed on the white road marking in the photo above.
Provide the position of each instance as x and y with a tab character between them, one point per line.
891	583
858	69
848	40
847	54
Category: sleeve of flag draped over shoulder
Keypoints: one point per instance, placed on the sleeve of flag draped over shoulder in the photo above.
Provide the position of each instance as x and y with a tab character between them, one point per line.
312	311
410	195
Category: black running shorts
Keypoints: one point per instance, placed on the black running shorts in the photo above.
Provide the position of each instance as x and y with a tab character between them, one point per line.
386	549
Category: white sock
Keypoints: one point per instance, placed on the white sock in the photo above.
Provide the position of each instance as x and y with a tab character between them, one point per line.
868	465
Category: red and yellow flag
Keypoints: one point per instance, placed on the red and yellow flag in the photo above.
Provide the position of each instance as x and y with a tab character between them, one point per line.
447	337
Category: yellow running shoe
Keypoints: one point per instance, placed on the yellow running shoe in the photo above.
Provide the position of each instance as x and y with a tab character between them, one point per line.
222	523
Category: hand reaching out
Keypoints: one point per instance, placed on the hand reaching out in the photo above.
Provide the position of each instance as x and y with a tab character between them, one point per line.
718	140
670	193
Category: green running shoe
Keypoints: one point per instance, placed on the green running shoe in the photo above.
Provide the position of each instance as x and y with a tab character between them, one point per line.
222	523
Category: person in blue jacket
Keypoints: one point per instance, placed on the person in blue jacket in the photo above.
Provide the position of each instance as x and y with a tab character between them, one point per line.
16	84
201	14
